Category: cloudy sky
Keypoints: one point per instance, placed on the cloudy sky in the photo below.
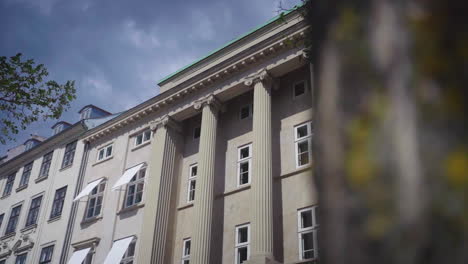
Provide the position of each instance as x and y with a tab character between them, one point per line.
117	50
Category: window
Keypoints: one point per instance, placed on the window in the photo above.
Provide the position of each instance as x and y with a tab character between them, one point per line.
307	229
246	111
45	166
94	205
58	128
89	258
13	221
46	255
134	192
186	251
129	254
69	154
192	182
242	249
21	259
9	184
28	145
142	137
2	261
104	153
1	220
302	138
33	211
57	205
86	113
196	132
244	160
299	89
26	174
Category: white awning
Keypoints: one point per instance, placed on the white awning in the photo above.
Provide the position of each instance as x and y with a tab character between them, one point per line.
78	256
127	176
118	250
86	190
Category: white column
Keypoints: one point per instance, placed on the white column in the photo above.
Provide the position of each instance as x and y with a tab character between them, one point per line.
158	193
203	207
262	176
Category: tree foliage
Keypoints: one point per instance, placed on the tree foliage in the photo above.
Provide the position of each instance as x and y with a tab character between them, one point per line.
25	95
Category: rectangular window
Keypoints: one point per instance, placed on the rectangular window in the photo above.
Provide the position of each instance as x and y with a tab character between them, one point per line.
244	164
94	205
143	137
303	144
26	174
21	259
59	200
69	154
299	89
89	258
134	193
33	211
196	132
186	251
129	254
13	221
242	248
104	153
2	261
246	111
307	230
45	166
193	170
1	220
9	184
46	255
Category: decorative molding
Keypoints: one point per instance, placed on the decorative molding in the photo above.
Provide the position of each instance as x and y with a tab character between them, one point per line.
209	100
165	121
261	76
93	242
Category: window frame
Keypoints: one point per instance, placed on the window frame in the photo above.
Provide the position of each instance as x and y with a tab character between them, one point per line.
45	164
313	229
105	150
250	115
191	179
11	230
127	258
300	140
23	261
10	182
238	245
60	200
33	212
306	89
241	161
184	248
91	195
58	128
194	132
69	154
48	256
26	174
135	181
143	139
86	113
2	217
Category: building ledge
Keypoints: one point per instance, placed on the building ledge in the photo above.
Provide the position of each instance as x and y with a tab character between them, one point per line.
5	196
141	145
130	208
53	219
66	167
91	220
103	160
28	228
240	189
307	261
188	205
6	236
39	179
85	243
22	187
294	172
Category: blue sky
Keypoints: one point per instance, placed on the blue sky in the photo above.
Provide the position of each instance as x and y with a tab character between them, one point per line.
117	50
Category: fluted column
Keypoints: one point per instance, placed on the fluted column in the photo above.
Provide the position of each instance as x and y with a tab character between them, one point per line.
203	207
262	177
158	192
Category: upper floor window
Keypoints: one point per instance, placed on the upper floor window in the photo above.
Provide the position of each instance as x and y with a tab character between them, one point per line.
196	132
186	251
9	184
134	193
104	153
143	137
21	259
89	258
58	128
246	111
129	255
46	255
29	145
33	211
69	154
26	174
45	166
299	89
193	170
1	219
303	144
94	205
307	230
86	113
59	200
13	221
244	161
242	246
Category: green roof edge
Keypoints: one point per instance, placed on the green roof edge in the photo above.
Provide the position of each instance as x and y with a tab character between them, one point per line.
271	20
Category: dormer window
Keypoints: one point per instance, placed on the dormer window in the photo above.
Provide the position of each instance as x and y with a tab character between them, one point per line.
29	145
86	113
58	128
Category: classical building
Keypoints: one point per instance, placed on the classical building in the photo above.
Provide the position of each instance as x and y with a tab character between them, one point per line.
39	179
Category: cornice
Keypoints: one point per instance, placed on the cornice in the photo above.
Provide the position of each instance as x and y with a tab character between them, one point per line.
165	121
209	100
240	65
261	76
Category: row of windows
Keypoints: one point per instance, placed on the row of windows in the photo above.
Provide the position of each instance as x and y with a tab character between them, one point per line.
33	213
307	243
43	172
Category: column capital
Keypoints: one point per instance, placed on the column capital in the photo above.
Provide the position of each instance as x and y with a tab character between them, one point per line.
209	100
165	121
261	76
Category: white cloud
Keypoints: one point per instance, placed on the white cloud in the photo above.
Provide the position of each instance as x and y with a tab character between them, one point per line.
203	27
140	38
